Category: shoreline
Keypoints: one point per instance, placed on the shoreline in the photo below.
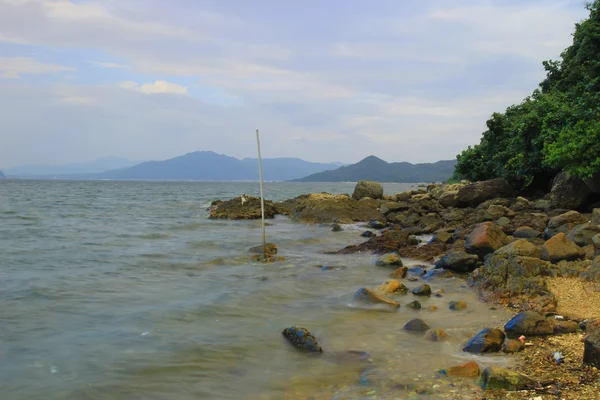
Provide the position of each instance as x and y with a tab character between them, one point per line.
517	253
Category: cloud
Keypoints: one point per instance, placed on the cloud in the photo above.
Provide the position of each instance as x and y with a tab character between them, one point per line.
109	65
14	67
156	87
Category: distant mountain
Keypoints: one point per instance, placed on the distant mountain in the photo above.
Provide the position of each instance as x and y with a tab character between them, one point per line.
2	175
90	167
375	169
210	166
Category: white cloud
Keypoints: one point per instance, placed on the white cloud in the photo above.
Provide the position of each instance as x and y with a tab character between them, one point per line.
108	64
156	87
14	67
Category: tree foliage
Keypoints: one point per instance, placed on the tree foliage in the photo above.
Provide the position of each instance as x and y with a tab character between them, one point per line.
556	128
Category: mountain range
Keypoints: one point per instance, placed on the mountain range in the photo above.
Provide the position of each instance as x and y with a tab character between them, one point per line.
376	169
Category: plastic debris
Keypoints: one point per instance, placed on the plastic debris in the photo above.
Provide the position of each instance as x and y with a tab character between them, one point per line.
558	357
522	339
559	317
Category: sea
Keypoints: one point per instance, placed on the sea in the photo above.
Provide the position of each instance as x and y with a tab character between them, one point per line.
123	290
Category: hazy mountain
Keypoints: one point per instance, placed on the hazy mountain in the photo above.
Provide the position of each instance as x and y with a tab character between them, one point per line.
95	166
210	166
375	169
2	175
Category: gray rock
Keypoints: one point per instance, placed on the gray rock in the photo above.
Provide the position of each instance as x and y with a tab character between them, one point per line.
526	232
423	290
458	261
369	189
416	325
568	191
582	234
591	351
476	193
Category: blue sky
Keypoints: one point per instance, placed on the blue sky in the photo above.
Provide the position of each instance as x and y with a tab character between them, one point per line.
323	80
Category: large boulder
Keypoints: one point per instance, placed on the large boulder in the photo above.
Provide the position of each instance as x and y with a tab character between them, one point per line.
596	242
458	261
596	216
302	339
568	191
236	210
391	207
515	279
582	234
505	379
328	208
486	238
488	340
559	248
521	247
591	352
537	221
571	217
529	323
369	189
476	193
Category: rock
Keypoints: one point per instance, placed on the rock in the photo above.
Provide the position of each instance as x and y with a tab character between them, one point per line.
595	216
392	286
503	223
459	234
369	189
389	260
389	241
442	237
404	196
327	208
233	209
529	323
562	327
591	351
453	215
582	234
467	370
520	247
331	267
526	232
596	242
302	339
512	346
568	191
336	228
423	290
416	325
270	248
505	379
520	204
376	224
541	205
458	261
368	296
457	305
571	217
476	193
367	234
559	248
496	211
592	273
486	238
400	273
435	335
391	207
415	305
488	340
537	221
507	279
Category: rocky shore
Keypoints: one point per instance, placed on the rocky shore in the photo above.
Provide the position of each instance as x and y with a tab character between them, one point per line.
537	256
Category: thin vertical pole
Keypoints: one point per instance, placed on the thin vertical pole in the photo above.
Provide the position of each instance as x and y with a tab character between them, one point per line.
262	198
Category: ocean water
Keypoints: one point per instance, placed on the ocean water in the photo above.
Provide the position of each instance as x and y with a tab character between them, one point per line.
126	290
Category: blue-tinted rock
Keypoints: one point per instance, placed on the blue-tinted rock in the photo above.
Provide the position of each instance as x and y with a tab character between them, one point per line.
487	341
458	261
529	323
302	339
376	225
416	325
367	234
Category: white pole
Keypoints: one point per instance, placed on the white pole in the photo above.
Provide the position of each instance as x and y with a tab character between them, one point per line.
262	198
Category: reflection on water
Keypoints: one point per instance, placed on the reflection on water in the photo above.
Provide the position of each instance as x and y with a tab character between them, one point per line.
125	290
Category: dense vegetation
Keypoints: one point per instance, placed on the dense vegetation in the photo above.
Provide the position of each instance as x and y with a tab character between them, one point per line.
376	169
556	128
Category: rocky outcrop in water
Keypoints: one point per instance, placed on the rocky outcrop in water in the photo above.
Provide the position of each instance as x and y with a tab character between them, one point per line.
372	190
236	209
302	339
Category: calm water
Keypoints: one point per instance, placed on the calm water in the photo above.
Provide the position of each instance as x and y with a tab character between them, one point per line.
125	290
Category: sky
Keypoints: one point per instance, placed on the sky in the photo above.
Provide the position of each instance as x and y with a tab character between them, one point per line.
334	80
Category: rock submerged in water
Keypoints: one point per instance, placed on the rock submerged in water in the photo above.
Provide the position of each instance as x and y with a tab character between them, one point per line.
302	339
270	248
457	305
416	325
235	210
368	296
394	287
489	340
369	189
389	260
367	234
423	290
400	273
467	370
415	305
435	335
336	228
